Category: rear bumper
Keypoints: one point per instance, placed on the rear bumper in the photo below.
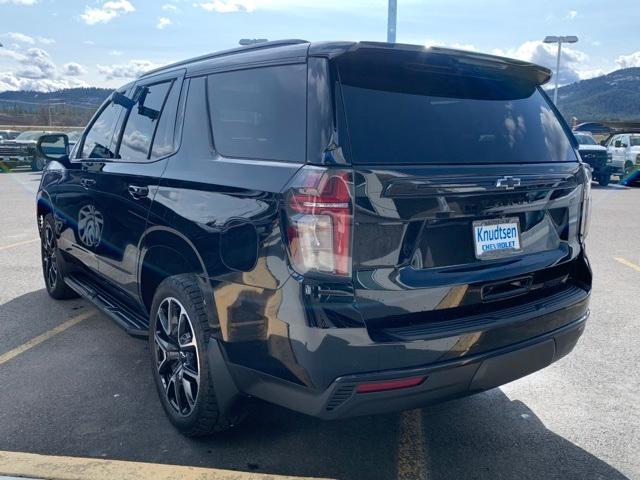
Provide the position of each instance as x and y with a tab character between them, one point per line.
444	381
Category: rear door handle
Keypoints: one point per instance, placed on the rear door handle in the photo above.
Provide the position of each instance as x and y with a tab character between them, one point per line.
136	191
87	182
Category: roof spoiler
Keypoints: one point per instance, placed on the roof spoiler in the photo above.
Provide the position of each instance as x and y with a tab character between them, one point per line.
510	67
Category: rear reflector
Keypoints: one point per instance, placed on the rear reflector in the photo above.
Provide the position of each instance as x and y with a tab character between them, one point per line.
394	384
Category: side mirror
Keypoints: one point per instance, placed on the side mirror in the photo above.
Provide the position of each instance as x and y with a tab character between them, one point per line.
618	144
54	147
122	100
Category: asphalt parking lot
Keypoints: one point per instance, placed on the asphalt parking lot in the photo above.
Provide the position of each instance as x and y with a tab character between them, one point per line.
75	385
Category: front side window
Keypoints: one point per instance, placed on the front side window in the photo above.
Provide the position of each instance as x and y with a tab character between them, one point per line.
260	113
142	121
98	142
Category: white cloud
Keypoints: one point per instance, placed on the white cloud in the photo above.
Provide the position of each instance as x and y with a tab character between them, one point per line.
73	69
46	41
167	7
36	71
574	64
106	12
19	2
627	61
571	14
37	64
114	53
7	53
89	42
19	37
131	69
227	6
163	22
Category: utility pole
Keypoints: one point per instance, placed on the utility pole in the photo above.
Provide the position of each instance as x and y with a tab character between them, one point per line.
559	40
392	20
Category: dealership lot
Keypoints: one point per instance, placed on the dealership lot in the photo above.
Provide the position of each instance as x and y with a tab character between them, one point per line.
75	385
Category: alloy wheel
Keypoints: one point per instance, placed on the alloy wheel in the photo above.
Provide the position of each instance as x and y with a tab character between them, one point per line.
177	356
49	250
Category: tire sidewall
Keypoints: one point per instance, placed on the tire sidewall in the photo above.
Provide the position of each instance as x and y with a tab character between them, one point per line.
169	288
59	287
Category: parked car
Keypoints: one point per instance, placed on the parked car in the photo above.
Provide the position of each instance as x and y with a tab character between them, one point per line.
597	157
8	135
625	151
339	228
22	151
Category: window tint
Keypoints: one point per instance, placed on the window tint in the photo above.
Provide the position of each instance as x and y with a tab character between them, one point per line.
260	113
142	121
585	139
163	139
402	116
97	143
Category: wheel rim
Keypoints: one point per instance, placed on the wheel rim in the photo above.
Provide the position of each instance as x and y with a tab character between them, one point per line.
177	357
49	256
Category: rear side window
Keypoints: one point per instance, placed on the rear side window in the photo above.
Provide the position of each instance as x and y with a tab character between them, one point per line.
407	116
142	121
260	113
98	142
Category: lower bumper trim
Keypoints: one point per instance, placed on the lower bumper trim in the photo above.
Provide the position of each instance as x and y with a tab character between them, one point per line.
444	381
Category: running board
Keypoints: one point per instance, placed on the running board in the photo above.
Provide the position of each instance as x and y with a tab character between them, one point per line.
133	323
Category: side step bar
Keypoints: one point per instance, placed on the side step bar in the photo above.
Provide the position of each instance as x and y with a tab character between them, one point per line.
133	323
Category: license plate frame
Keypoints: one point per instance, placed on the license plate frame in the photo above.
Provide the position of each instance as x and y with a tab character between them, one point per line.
491	252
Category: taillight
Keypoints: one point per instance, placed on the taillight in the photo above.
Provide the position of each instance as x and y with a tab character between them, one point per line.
319	216
585	220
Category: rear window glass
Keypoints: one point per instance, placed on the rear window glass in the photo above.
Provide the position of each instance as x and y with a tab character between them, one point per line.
260	113
410	117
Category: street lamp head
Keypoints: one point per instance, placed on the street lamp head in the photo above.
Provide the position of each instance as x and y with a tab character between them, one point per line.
560	39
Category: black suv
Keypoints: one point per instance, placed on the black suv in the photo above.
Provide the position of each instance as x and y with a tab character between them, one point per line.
339	228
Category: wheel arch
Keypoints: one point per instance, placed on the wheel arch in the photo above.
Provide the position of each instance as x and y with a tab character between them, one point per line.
165	252
44	205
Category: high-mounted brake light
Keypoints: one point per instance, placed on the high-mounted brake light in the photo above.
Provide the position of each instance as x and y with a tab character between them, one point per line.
319	215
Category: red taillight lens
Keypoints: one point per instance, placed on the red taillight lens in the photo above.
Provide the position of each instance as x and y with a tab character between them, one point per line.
385	385
319	211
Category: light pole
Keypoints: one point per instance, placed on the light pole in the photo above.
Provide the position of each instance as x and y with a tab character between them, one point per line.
559	40
392	20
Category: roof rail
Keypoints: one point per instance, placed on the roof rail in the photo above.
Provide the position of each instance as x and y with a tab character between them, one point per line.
231	51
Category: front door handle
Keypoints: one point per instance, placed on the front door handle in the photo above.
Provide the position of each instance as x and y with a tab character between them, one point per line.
137	191
87	182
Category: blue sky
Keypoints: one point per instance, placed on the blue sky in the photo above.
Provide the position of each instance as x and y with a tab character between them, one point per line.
51	44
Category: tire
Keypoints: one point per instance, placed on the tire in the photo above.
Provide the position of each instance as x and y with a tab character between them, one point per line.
37	164
51	271
179	354
604	179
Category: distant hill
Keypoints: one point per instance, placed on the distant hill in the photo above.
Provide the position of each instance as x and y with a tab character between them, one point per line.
613	97
69	107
